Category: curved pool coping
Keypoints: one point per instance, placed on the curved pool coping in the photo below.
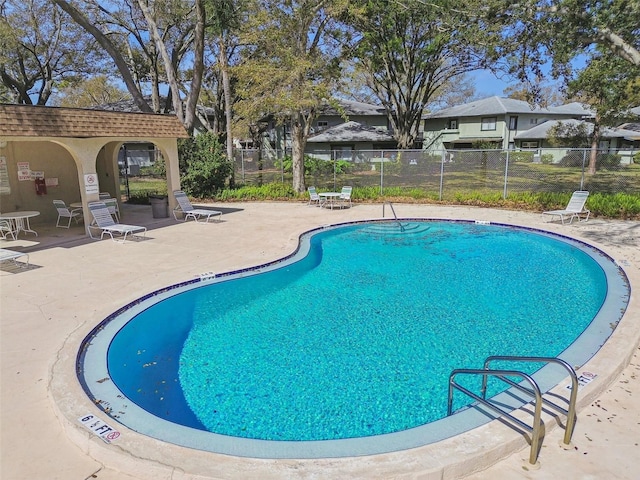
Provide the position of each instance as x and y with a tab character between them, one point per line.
72	406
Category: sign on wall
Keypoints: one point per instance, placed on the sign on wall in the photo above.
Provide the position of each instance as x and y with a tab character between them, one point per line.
91	183
5	188
24	171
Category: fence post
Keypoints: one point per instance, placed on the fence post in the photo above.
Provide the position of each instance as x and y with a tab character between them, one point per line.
281	158
381	171
242	163
584	159
506	176
444	153
335	162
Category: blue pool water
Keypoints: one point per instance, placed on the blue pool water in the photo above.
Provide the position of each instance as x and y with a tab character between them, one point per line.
357	337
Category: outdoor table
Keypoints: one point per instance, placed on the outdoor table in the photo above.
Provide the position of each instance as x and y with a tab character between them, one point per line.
20	220
329	198
76	205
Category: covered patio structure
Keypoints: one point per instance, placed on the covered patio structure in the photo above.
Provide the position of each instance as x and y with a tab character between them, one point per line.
50	153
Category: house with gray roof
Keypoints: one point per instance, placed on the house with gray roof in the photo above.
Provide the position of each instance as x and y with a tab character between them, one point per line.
339	131
492	122
623	140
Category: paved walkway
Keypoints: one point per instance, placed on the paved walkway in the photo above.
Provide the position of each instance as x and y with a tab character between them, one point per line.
73	283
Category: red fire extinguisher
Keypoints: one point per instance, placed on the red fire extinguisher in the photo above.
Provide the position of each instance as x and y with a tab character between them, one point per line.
41	186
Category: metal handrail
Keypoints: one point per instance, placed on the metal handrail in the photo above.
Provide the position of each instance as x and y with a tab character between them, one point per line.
534	391
537	422
570	412
394	214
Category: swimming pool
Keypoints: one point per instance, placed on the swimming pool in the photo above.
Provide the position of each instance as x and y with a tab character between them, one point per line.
452	249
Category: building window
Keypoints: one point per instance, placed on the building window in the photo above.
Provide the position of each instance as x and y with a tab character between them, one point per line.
323	124
489	123
533	144
452	124
513	123
533	121
342	152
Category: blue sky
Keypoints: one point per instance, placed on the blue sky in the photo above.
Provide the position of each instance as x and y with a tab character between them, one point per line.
487	84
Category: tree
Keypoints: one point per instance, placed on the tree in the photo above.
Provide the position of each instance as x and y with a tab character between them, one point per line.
604	84
39	50
111	49
569	135
456	91
291	67
409	51
160	19
548	94
225	23
529	34
88	93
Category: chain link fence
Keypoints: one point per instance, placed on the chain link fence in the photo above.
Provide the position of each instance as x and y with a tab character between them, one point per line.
447	173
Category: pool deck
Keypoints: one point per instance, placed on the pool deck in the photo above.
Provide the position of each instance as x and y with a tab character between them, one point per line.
73	283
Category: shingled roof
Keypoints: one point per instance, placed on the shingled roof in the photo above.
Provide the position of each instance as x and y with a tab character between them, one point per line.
39	121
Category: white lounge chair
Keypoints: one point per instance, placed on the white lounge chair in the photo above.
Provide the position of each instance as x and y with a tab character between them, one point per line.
112	205
574	209
65	212
103	220
6	254
345	196
314	197
6	229
187	210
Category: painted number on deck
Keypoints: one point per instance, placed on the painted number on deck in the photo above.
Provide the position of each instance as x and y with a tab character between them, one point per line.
583	379
97	426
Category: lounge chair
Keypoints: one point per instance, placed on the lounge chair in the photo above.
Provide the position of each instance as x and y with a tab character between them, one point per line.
65	212
345	196
187	210
314	197
574	209
112	205
6	254
6	229
103	220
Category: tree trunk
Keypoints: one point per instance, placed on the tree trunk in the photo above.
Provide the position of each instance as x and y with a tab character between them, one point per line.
170	71
226	86
198	67
298	143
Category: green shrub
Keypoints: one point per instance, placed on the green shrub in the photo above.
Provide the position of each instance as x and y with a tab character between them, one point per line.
204	168
573	158
608	160
270	191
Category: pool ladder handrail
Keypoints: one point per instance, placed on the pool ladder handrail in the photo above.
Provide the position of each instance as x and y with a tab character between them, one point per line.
534	391
394	214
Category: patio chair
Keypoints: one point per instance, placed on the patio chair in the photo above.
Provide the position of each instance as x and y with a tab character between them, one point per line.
314	197
187	210
103	220
345	195
6	254
6	229
574	209
65	212
112	205
104	195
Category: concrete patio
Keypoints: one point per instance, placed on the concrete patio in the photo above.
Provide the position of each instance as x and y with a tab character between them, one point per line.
74	282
